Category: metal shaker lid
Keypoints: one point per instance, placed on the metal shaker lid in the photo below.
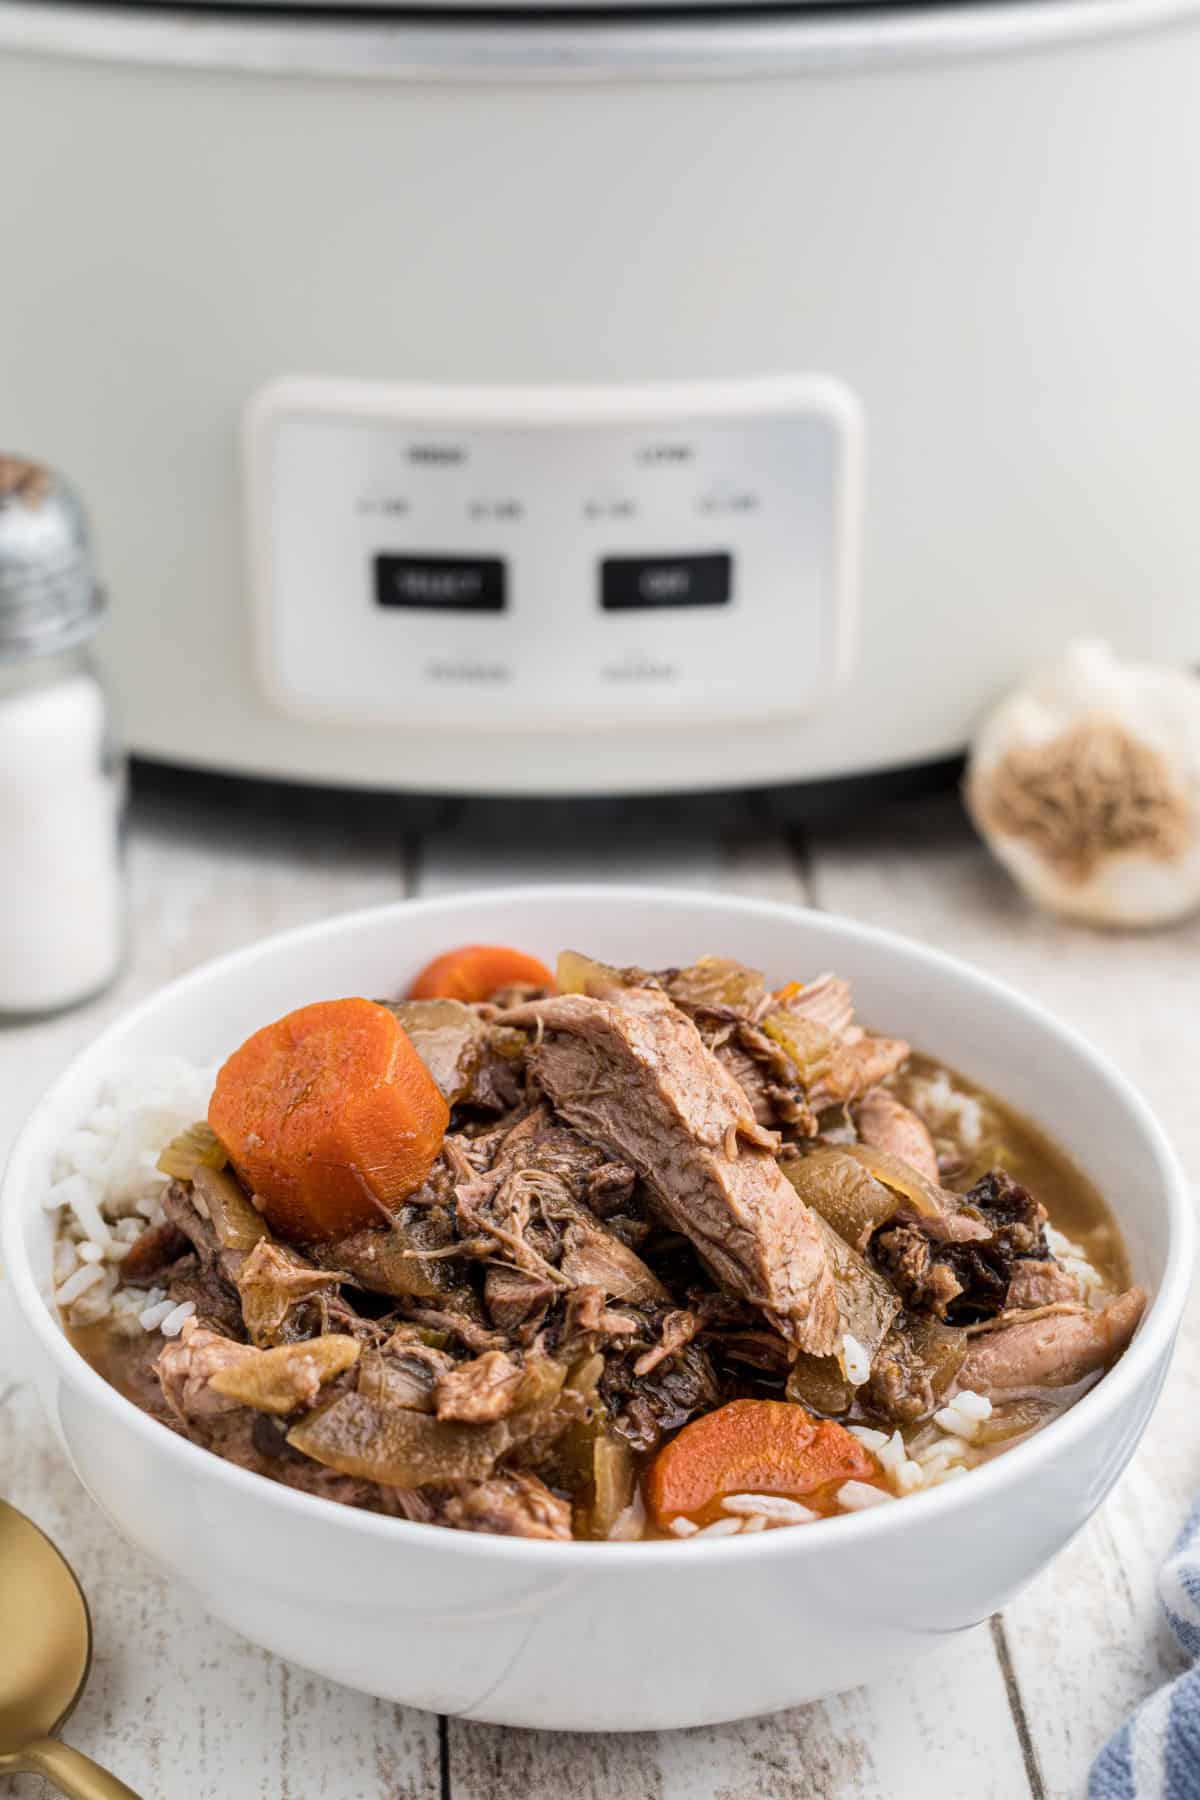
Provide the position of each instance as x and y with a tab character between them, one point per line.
49	595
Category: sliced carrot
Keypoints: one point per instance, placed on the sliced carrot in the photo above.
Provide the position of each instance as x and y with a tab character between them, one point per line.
788	991
329	1115
476	972
754	1447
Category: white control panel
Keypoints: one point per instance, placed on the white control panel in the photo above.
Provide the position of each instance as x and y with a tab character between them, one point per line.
553	557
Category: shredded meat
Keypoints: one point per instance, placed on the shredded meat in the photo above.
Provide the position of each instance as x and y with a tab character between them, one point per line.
599	1259
510	1506
459	1325
610	1188
528	1199
410	1258
926	1283
886	1124
587	1316
769	1097
855	1068
158	1247
1056	1350
827	1062
180	1211
644	1407
204	1375
965	1277
186	1365
215	1301
826	1001
1016	1219
515	1299
274	1282
208	1276
1039	1284
479	1391
632	1073
906	1382
678	1329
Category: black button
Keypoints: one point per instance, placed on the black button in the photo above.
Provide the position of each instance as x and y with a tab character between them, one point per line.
441	583
629	583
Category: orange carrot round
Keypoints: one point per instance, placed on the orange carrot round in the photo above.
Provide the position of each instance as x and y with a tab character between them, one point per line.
329	1115
755	1447
476	972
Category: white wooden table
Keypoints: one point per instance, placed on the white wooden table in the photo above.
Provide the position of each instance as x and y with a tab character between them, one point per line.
184	1710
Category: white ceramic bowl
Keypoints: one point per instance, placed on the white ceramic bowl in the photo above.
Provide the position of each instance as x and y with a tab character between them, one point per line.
614	1636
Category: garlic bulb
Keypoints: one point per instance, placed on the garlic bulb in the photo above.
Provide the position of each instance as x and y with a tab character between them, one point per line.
1085	782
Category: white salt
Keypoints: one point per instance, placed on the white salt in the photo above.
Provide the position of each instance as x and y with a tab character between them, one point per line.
61	902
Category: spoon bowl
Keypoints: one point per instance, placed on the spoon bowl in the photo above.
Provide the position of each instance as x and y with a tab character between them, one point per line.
46	1646
45	1656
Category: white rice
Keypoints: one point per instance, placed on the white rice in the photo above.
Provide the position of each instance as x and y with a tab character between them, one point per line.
127	1306
908	1477
720	1528
856	1360
771	1508
154	1314
1094	1289
946	1446
106	1188
951	1420
175	1321
96	1304
85	1277
892	1453
78	1192
856	1496
683	1528
866	1434
949	1113
972	1405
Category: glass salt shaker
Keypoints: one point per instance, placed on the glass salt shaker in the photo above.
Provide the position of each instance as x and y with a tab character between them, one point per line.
62	775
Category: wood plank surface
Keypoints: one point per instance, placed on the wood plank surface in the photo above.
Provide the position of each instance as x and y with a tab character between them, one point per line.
184	1708
179	1706
1085	1638
943	1727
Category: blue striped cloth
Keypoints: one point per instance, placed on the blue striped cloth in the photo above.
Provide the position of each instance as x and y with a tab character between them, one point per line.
1156	1756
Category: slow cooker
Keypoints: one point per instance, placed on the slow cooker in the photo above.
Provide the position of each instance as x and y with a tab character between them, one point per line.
575	402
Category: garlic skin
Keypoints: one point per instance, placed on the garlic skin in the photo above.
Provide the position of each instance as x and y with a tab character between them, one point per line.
1085	782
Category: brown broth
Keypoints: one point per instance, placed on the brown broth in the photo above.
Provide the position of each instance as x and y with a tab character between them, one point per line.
125	1362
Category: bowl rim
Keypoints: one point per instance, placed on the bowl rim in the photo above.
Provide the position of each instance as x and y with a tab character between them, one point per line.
1152	1343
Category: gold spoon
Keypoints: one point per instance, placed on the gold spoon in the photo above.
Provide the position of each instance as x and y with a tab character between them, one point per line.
45	1655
